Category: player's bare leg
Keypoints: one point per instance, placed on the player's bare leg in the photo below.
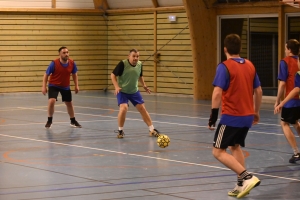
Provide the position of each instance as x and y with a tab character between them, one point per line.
147	119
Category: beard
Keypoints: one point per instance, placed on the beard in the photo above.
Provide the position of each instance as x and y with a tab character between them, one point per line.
65	58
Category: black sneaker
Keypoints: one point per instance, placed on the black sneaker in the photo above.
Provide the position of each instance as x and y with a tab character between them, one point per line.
154	133
120	134
48	124
295	158
75	124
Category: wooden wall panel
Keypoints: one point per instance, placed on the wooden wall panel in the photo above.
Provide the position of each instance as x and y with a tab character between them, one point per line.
29	43
175	69
131	31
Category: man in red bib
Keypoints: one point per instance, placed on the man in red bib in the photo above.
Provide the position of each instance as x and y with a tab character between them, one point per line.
59	72
237	88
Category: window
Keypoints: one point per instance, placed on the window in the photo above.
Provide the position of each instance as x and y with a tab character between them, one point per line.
259	37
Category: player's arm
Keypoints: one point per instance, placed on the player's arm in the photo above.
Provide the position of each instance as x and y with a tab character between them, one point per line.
290	96
118	71
257	103
44	86
215	104
142	81
221	82
282	77
75	79
49	71
281	88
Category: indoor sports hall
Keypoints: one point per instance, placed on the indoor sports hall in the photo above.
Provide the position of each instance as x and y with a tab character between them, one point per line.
180	44
92	163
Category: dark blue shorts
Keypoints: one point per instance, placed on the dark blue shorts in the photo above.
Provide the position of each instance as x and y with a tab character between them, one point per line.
135	98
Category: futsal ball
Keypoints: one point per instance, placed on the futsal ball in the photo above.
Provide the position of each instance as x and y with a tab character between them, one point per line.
163	141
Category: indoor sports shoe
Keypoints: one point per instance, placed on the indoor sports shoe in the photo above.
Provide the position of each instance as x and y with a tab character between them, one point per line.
120	134
154	133
48	124
248	185
295	158
235	191
75	124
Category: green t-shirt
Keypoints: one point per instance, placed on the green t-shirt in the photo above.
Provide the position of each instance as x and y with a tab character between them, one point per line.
129	79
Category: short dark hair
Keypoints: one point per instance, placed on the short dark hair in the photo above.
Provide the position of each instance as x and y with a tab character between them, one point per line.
133	50
293	45
233	43
61	48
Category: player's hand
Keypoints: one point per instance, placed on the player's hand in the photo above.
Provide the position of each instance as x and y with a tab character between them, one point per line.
276	104
44	90
213	118
76	90
117	90
277	109
147	89
256	118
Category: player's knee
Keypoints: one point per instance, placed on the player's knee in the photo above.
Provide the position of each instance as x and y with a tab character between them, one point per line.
140	107
123	108
217	152
284	123
52	101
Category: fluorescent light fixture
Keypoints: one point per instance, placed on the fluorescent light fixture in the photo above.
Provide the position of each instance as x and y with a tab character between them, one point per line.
172	18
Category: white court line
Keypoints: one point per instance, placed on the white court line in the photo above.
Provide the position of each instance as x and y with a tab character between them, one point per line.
100	120
180	116
143	156
171	123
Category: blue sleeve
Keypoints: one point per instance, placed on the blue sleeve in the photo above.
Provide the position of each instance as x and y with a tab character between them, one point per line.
256	82
222	77
50	68
297	80
74	69
283	71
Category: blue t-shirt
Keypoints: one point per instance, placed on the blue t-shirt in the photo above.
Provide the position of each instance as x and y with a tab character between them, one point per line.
51	69
297	79
282	76
222	80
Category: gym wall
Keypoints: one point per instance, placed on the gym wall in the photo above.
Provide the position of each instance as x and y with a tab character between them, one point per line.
173	71
96	43
29	42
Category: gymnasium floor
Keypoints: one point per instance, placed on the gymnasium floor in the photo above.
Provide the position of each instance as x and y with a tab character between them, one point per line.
90	163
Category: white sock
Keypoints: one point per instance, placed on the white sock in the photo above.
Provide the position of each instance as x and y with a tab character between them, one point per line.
120	128
296	151
151	128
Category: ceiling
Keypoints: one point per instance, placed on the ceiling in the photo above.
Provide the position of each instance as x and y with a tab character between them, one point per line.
89	4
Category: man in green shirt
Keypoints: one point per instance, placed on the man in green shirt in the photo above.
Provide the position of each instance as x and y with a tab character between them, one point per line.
125	78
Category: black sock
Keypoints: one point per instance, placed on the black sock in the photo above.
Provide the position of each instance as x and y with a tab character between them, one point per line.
50	119
239	181
73	120
245	175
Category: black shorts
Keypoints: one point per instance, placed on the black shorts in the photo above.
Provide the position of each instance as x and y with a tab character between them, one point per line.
290	115
65	94
229	136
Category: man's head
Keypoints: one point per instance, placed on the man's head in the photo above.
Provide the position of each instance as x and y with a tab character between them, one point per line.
232	44
292	47
133	56
63	54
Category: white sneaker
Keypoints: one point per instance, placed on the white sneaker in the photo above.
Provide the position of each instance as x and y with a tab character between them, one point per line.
235	191
248	185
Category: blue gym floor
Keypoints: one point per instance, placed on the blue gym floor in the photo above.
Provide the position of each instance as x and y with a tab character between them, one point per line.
90	163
